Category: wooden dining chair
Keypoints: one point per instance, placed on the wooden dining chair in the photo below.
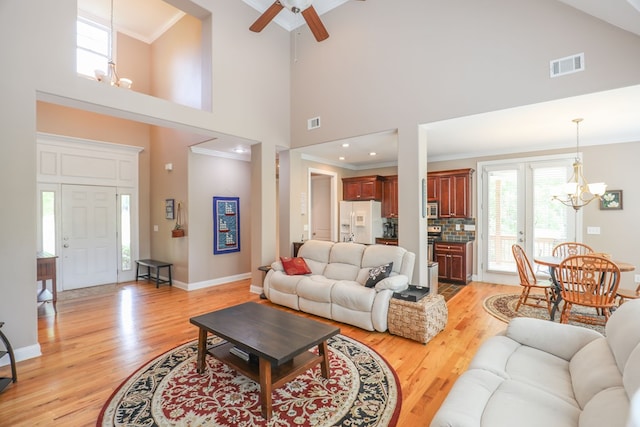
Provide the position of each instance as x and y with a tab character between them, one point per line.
588	281
625	294
567	249
528	281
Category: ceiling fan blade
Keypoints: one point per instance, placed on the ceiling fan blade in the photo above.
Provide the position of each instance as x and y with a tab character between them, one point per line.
266	17
315	24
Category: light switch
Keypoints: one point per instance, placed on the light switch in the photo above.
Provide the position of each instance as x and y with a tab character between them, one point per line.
155	228
593	230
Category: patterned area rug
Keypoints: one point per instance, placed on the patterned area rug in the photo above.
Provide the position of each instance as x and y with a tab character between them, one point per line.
503	307
363	391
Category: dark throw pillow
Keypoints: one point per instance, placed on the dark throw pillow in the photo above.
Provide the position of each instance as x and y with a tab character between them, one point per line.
294	266
377	274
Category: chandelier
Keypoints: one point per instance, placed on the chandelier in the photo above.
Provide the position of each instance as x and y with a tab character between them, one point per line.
111	77
577	192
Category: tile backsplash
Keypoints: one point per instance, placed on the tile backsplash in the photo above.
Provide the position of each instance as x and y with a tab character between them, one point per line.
449	231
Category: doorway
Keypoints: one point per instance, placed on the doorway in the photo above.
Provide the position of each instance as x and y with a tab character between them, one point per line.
89	238
88	209
322	205
517	208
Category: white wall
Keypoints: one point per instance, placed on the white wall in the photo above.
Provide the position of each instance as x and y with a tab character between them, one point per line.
429	60
208	177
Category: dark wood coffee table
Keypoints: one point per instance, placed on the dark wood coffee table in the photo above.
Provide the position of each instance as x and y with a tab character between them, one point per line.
278	339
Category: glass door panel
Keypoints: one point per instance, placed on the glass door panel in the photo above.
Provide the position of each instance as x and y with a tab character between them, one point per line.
517	207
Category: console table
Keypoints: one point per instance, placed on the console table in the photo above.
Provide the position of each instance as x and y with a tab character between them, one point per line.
47	271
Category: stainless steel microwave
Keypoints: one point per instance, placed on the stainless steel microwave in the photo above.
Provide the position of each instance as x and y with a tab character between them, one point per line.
432	210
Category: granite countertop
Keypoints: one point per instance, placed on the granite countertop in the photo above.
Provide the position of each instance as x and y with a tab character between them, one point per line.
453	240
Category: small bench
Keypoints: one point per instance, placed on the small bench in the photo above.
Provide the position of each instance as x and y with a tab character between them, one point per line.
156	265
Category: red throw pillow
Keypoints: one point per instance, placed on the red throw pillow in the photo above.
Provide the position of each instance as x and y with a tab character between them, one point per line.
294	266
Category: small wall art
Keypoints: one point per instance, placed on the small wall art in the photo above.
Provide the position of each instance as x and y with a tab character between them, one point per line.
226	225
611	200
169	212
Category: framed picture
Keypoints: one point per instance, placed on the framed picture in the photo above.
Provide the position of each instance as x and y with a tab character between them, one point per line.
611	200
226	225
169	212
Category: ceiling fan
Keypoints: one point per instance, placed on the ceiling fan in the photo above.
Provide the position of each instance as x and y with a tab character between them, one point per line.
296	6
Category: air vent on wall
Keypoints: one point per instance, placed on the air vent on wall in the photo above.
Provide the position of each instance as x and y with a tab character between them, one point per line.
313	123
566	65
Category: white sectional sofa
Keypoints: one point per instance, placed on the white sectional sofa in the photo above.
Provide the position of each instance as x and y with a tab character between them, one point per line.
544	374
335	288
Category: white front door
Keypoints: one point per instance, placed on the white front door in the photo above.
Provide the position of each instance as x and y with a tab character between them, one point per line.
89	240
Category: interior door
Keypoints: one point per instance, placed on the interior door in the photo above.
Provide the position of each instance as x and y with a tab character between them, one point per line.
89	240
321	207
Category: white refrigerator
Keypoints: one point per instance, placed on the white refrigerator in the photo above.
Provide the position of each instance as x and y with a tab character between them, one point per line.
360	222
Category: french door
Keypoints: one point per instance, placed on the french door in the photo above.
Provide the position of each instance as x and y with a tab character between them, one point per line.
517	207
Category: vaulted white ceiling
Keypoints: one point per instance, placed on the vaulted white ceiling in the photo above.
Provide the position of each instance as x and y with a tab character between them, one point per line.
158	15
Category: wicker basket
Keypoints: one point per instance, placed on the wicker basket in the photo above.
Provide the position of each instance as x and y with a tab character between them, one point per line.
419	321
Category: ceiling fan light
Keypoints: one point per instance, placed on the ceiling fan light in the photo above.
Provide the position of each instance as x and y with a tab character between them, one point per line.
296	5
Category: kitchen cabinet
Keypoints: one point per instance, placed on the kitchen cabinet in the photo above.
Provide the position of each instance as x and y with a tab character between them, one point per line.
432	188
386	241
362	188
390	197
453	190
455	261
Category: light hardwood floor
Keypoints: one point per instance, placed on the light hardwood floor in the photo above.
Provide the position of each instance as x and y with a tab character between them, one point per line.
93	343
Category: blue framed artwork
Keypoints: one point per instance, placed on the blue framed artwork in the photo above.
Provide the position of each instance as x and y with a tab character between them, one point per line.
226	225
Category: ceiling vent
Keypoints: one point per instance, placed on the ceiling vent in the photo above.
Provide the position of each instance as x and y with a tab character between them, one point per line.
313	123
567	65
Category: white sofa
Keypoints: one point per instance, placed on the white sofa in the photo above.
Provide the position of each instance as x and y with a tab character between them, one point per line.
544	374
335	288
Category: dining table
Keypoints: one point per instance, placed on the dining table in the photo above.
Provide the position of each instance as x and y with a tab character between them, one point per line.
553	262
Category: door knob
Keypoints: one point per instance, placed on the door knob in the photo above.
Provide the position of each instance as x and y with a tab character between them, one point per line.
66	245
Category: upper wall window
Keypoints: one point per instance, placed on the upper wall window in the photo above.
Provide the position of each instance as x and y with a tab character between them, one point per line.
93	47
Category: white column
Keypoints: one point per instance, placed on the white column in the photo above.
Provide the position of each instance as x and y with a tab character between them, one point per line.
263	209
412	169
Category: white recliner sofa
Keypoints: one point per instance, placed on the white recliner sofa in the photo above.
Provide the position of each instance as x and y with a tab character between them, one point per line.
335	289
544	374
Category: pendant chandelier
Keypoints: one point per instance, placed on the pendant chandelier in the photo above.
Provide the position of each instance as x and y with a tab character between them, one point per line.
112	77
577	192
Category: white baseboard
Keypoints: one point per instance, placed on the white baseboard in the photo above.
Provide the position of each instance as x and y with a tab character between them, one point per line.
255	289
22	353
214	282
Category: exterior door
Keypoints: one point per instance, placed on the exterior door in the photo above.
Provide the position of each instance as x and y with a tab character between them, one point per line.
89	240
517	207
